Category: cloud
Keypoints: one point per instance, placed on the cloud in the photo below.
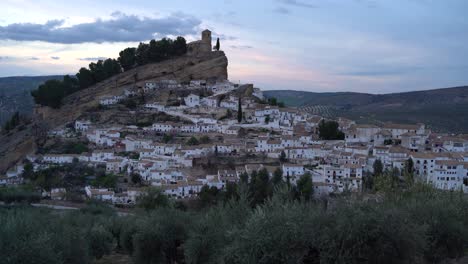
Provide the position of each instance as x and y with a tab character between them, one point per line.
376	70
282	10
120	28
10	58
374	73
400	70
33	58
92	58
297	3
241	47
55	58
223	36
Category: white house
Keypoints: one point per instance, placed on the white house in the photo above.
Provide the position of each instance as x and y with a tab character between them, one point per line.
232	130
58	193
164	127
183	189
226	176
116	164
268	145
99	194
129	92
110	100
399	129
101	155
209	101
424	162
156	106
197	83
231	103
158	176
292	170
151	86
454	144
263	112
222	87
361	133
192	100
59	158
131	144
450	175
82	125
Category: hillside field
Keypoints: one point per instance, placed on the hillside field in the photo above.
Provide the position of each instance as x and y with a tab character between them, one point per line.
443	110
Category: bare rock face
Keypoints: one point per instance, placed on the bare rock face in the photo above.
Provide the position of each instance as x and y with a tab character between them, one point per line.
14	147
206	66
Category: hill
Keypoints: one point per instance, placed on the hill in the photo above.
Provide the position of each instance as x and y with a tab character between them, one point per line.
14	146
15	94
443	110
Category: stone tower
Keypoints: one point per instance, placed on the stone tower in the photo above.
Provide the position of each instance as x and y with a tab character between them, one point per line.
206	39
200	47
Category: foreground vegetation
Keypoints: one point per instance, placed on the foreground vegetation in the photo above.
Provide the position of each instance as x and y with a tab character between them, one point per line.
417	225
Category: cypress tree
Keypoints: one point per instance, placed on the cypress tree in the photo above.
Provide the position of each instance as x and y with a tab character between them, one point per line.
217	46
239	111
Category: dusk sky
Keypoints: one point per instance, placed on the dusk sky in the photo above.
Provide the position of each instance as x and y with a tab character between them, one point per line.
375	46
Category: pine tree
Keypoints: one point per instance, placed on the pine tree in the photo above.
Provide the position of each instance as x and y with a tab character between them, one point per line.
239	111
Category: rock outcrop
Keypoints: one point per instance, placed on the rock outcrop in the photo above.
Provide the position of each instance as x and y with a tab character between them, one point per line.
15	146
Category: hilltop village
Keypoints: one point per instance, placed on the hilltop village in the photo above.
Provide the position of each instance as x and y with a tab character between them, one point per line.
212	132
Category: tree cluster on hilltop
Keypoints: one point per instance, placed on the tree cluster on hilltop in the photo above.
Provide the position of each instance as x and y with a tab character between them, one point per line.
52	92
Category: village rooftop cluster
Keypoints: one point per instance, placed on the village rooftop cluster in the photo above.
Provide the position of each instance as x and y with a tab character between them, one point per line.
271	137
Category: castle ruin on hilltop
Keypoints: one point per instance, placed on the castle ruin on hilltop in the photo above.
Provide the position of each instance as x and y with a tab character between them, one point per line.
202	46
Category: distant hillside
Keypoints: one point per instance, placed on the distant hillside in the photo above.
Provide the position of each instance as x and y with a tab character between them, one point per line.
15	94
444	110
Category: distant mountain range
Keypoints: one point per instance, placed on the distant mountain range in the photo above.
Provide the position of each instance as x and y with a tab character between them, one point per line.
15	94
444	110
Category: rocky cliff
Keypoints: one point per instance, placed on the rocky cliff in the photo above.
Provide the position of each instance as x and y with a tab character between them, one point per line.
209	66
